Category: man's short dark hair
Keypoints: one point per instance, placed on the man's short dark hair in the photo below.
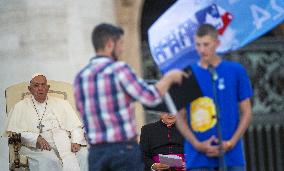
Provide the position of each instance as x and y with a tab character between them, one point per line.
103	32
207	29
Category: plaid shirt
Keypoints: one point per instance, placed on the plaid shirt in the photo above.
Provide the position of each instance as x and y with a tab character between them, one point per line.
105	93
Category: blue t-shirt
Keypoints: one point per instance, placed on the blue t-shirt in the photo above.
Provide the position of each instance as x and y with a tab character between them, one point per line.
233	86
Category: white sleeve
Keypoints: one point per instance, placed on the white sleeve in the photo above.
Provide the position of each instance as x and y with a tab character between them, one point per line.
29	139
77	136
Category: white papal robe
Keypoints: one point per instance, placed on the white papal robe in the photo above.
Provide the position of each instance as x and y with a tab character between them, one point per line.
61	128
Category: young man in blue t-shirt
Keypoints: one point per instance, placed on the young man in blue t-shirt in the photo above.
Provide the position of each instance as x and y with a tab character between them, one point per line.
198	123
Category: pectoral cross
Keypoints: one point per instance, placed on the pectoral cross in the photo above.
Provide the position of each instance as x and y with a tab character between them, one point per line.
40	126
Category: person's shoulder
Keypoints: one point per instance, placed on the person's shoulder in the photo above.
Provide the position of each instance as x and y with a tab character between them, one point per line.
121	64
93	63
56	99
150	126
22	102
86	68
59	102
194	65
233	65
121	67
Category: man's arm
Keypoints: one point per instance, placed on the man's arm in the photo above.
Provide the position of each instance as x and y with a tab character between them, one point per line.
171	77
74	124
29	139
35	140
138	89
77	139
245	110
204	146
184	128
78	136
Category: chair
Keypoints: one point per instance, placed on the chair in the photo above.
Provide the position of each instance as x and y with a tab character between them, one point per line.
14	94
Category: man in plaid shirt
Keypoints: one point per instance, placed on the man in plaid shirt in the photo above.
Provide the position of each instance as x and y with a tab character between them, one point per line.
105	92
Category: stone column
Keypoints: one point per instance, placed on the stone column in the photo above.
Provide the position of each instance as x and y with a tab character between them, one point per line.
128	16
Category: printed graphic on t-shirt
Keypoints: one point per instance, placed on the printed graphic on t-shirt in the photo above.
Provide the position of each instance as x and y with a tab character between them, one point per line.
202	114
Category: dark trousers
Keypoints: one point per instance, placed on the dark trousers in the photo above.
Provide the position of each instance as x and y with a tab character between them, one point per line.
122	156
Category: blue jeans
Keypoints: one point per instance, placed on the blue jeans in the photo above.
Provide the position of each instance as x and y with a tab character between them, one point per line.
232	168
123	156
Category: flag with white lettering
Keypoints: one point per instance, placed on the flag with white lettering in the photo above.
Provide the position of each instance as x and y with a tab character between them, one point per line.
171	37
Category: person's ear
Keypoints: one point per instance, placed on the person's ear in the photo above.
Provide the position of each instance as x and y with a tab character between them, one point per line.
29	88
218	42
109	44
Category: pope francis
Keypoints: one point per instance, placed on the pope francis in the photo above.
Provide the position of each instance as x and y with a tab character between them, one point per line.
50	129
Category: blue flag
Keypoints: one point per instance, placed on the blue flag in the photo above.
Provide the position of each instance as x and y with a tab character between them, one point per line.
171	37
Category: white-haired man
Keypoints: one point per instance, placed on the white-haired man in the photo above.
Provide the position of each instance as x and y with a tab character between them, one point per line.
45	123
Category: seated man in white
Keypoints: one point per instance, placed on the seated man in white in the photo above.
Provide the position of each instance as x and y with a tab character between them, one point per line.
45	124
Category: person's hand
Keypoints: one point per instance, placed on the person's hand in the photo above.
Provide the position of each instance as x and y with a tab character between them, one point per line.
160	166
227	145
183	166
207	147
75	147
176	76
42	144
